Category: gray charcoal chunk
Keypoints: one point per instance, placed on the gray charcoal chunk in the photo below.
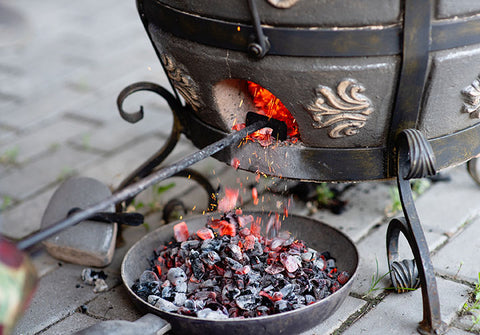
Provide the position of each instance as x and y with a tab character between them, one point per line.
162	304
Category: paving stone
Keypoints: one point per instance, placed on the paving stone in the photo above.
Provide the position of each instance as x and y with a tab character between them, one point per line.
116	134
373	251
71	324
40	141
456	331
365	208
24	219
29	179
43	262
114	305
350	306
56	297
465	325
113	170
464	265
448	205
400	313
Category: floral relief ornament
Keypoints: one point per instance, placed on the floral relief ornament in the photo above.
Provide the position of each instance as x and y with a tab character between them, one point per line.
471	99
183	83
344	111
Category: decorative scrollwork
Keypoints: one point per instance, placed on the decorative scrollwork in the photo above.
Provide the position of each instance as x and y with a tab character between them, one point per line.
420	154
183	83
346	111
471	99
404	275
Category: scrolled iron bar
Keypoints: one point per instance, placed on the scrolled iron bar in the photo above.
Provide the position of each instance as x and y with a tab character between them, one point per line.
156	159
141	185
411	161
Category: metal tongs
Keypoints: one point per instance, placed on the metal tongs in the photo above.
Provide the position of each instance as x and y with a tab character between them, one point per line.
253	122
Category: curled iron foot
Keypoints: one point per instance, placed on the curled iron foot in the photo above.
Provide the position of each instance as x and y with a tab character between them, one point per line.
415	159
404	275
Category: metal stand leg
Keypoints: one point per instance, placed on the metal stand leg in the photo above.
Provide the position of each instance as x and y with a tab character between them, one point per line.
155	160
415	160
473	170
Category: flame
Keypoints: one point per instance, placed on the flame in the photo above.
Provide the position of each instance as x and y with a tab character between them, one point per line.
271	106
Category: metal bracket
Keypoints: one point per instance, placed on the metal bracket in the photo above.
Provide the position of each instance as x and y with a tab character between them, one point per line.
260	46
415	159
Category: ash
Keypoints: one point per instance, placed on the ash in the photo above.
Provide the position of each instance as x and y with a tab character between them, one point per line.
228	269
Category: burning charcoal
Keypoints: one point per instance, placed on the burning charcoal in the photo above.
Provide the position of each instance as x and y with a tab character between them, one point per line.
320	292
190	244
335	287
147	277
208	283
162	304
330	264
309	256
176	276
274	269
253	276
277	244
180	231
210	257
262	310
281	306
198	268
343	277
181	287
192	286
233	264
179	299
205	233
320	264
309	299
212	244
167	293
290	262
236	252
89	276
257	249
240	275
228	202
207	313
287	291
230	292
246	302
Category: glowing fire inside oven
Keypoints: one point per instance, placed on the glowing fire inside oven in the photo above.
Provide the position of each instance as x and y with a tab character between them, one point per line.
269	105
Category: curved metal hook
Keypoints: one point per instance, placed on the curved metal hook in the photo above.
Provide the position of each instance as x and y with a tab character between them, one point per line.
143	86
156	159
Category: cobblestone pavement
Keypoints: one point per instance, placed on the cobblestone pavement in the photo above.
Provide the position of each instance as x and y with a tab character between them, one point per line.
61	68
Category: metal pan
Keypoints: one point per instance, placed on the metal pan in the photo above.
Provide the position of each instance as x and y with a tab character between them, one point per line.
316	235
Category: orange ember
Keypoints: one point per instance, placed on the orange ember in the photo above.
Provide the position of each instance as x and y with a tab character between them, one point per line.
271	106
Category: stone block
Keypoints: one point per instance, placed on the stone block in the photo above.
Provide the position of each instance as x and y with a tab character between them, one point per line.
71	324
27	180
58	295
89	243
400	313
25	218
459	258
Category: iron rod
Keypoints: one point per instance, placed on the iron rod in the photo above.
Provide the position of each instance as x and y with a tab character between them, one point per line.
141	185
